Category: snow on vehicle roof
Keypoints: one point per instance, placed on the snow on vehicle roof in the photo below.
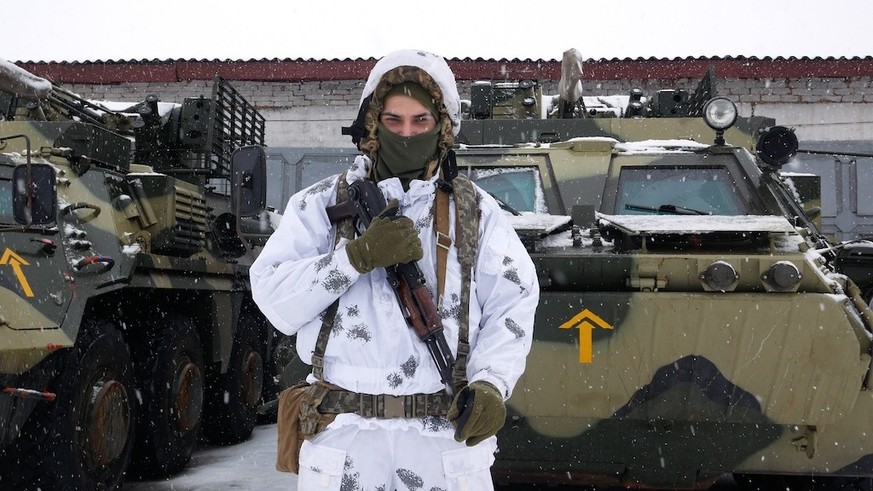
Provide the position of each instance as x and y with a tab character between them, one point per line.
683	224
538	223
21	82
659	146
164	108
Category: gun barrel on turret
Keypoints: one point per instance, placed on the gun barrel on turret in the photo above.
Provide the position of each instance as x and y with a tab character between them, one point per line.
21	83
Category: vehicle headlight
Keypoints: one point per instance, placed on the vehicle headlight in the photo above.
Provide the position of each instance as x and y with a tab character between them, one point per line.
720	113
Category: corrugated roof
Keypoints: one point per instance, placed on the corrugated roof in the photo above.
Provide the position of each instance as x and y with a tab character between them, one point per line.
287	69
478	59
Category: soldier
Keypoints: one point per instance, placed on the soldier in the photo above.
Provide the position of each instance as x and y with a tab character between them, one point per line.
396	424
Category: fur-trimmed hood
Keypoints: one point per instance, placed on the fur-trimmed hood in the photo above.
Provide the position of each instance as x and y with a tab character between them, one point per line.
425	69
433	65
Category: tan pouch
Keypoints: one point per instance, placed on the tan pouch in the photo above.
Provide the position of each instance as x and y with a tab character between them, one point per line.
288	421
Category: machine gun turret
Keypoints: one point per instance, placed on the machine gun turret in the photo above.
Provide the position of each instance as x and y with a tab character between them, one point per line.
515	110
192	140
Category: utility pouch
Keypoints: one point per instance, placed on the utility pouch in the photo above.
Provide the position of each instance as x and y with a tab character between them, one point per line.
288	422
298	420
312	421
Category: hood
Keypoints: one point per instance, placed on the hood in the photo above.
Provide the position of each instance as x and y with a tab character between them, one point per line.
433	65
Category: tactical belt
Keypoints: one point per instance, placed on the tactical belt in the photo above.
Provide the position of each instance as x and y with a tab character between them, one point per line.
385	406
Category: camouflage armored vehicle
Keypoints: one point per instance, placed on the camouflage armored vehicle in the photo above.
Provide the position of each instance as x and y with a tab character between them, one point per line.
691	322
126	321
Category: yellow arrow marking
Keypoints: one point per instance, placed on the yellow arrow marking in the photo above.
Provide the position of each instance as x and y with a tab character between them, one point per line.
17	262
586	321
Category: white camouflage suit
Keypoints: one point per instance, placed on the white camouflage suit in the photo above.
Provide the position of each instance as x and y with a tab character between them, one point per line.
301	272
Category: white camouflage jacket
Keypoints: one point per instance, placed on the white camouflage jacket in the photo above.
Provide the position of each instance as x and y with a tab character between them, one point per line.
371	350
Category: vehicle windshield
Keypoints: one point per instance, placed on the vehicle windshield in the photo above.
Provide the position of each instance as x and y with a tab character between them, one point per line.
677	190
518	187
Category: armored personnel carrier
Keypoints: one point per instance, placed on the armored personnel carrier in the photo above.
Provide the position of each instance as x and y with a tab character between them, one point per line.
693	321
127	327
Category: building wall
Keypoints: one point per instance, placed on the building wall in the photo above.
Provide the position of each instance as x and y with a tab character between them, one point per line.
311	113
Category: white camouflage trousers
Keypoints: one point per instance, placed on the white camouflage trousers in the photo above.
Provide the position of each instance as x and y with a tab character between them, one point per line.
349	458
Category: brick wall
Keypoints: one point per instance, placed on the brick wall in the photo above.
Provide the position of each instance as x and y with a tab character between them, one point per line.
347	92
310	113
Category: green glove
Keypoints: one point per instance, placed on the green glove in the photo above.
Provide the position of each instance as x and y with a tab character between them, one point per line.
478	412
387	241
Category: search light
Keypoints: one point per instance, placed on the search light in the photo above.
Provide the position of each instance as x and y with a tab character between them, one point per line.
720	113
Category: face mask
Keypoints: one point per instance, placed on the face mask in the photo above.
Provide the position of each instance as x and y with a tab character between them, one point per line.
405	157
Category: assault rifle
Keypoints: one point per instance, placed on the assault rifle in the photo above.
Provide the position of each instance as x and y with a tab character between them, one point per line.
408	284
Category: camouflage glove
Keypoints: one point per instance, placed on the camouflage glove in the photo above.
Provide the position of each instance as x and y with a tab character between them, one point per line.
387	241
478	412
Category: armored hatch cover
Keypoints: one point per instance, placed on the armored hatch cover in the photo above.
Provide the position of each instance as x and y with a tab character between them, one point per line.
685	224
531	227
640	231
539	224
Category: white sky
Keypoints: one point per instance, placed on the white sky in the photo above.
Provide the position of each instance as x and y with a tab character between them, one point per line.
92	30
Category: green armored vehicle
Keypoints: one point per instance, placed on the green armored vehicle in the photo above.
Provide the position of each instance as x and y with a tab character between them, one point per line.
127	327
691	321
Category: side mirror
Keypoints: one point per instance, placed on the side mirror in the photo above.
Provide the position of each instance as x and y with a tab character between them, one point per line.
248	181
34	194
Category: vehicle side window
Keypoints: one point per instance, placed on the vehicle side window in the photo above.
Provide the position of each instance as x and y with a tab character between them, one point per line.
646	190
518	187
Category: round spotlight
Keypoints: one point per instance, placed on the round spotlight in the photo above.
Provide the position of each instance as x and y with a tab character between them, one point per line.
720	113
777	145
720	276
782	277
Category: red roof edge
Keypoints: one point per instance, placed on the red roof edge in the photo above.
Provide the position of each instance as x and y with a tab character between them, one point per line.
314	70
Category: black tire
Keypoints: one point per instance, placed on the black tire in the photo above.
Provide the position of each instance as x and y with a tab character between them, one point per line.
83	439
171	388
272	385
233	397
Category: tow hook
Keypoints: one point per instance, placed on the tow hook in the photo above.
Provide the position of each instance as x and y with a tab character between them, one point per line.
30	393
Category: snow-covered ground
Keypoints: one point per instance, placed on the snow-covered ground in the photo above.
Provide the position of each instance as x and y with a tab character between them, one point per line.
248	466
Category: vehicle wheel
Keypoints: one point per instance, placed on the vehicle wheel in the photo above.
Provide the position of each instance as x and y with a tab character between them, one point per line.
233	397
171	387
84	438
272	383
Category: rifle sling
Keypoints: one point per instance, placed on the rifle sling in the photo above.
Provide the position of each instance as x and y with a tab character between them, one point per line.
344	228
467	240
